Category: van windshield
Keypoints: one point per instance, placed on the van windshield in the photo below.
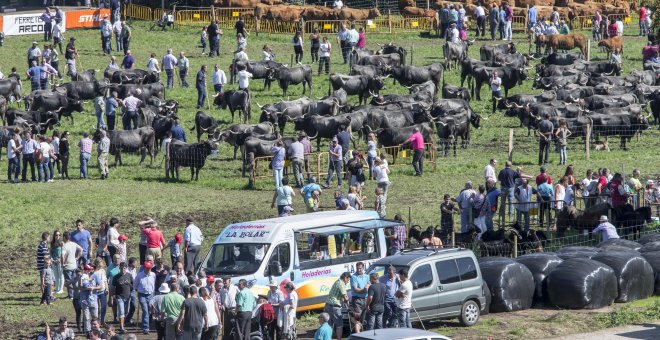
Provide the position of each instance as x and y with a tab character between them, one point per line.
235	259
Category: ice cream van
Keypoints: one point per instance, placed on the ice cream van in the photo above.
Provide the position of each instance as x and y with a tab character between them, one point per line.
310	250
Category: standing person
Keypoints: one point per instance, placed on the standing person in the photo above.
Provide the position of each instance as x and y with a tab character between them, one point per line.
297	42
524	194
502	25
169	62
71	252
562	135
531	16
342	38
184	67
545	194
335	156
46	71
404	296
106	35
211	32
56	255
325	48
34	73
55	142
33	54
507	178
145	282
58	36
480	15
152	64
45	165
203	38
545	130
116	30
101	292
283	196
28	147
381	172
111	106
126	36
70	55
213	325
372	153
337	298
219	79
171	308
245	304
200	84
99	106
479	208
447	210
495	88
315	39
392	284
14	148
380	203
83	238
156	310
324	332
128	61
463	200
359	291
275	298
193	318
375	302
42	255
267	54
489	170
417	143
297	156
155	240
88	301
241	42
353	38
243	78
73	285
288	310
131	104
228	295
85	146
608	230
492	197
55	62
193	238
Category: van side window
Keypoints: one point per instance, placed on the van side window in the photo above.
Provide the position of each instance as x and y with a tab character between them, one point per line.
422	277
447	271
330	248
282	254
466	268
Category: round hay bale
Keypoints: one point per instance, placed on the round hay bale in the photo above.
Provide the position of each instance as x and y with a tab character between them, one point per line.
653	257
619	249
540	265
510	283
650	246
581	283
621	243
635	276
577	252
489	298
649	238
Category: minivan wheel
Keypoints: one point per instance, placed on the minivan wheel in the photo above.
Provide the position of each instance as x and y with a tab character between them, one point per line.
469	313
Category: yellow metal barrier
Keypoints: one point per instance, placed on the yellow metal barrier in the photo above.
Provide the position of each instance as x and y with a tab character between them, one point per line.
403	156
157	13
193	17
519	23
322	163
138	12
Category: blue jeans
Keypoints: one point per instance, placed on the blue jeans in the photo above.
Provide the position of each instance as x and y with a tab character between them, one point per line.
68	275
99	120
523	215
84	159
122	306
508	35
277	176
90	310
465	220
562	154
131	306
45	167
489	220
102	300
336	167
370	161
404	318
170	77
14	167
144	305
201	97
118	43
374	320
506	193
390	317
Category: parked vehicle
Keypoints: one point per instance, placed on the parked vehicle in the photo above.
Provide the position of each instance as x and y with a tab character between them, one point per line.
397	333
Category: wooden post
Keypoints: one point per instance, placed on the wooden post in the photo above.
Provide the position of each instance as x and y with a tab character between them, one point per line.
515	245
453	238
588	56
511	145
389	19
291	65
587	141
212	12
428	5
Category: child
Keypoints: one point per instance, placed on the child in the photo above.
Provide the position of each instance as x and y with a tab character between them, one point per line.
121	249
47	281
379	206
338	199
447	209
202	39
313	202
175	248
297	42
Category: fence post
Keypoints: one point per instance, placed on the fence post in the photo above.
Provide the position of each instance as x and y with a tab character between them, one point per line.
389	19
212	12
453	238
409	219
412	51
588	141
511	145
318	166
588	49
428	5
515	247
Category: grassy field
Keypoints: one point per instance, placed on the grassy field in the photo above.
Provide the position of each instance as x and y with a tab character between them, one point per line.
218	198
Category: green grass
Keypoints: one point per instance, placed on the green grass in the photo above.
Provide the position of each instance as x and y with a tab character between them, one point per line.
218	198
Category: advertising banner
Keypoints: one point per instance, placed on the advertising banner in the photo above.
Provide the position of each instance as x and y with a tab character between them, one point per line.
85	18
19	24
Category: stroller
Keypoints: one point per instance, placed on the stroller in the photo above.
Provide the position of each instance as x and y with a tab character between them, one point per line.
167	20
260	324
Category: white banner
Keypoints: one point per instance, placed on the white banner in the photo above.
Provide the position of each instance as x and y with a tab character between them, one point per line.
29	23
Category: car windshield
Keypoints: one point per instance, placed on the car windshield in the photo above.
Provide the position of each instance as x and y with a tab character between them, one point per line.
235	259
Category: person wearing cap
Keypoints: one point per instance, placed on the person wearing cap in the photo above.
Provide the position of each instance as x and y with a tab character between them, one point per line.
175	248
171	308
121	248
178	132
452	34
275	298
607	228
106	35
145	282
33	54
288	309
88	301
156	309
120	293
155	239
335	151
125	36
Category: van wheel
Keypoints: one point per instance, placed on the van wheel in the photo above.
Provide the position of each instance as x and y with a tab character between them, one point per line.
469	313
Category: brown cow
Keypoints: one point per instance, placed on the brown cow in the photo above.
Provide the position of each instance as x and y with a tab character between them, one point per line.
418	12
319	13
611	43
352	14
565	42
284	13
406	3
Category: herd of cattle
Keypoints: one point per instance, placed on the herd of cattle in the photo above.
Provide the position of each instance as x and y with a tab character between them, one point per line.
581	92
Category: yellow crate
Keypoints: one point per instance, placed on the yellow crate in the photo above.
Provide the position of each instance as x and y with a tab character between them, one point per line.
196	16
415	24
404	154
327	26
235	14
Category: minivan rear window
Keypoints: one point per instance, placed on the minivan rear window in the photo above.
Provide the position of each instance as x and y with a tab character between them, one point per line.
447	271
466	268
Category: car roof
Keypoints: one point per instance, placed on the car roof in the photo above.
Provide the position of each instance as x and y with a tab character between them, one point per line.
408	257
396	333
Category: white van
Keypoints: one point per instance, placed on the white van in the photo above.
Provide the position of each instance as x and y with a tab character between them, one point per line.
310	250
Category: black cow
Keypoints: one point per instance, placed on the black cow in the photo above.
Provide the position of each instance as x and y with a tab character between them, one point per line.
147	91
204	123
555	82
573	92
397	136
649	78
455	92
9	88
362	86
143	139
321	127
161	125
357	54
390	48
515	60
510	77
562	58
615	124
410	75
392	59
37	121
611	80
276	113
450	127
235	100
520	100
265	70
468	65
57	102
133	76
597	102
367	70
84	90
292	76
3	109
88	75
236	134
488	52
188	155
455	53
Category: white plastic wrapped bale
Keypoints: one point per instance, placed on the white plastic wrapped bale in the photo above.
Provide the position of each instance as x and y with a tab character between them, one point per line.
635	277
581	283
540	265
510	283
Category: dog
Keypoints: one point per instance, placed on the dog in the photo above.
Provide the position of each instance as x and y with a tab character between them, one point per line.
602	146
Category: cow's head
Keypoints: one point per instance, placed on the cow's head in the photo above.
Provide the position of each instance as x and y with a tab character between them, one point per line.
97	135
522	75
219	99
512	48
75	105
150	78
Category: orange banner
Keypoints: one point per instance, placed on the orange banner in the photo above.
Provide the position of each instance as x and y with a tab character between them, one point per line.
85	18
1	23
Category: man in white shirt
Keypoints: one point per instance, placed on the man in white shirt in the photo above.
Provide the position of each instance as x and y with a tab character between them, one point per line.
13	150
58	36
338	4
609	231
489	170
228	298
169	63
404	295
33	54
192	239
452	34
152	64
116	29
219	79
241	55
131	104
244	78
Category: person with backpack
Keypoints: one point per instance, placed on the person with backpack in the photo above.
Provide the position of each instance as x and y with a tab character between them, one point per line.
545	194
266	315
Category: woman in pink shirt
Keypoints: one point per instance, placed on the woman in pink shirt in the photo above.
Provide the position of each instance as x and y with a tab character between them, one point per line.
361	38
417	143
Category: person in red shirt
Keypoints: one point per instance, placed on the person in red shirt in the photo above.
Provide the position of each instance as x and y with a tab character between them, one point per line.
539	178
417	143
642	21
155	239
618	193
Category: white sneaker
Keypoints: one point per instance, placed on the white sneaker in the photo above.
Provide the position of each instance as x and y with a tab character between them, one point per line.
51	180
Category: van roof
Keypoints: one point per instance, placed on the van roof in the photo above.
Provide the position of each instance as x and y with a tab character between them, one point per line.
265	231
407	257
